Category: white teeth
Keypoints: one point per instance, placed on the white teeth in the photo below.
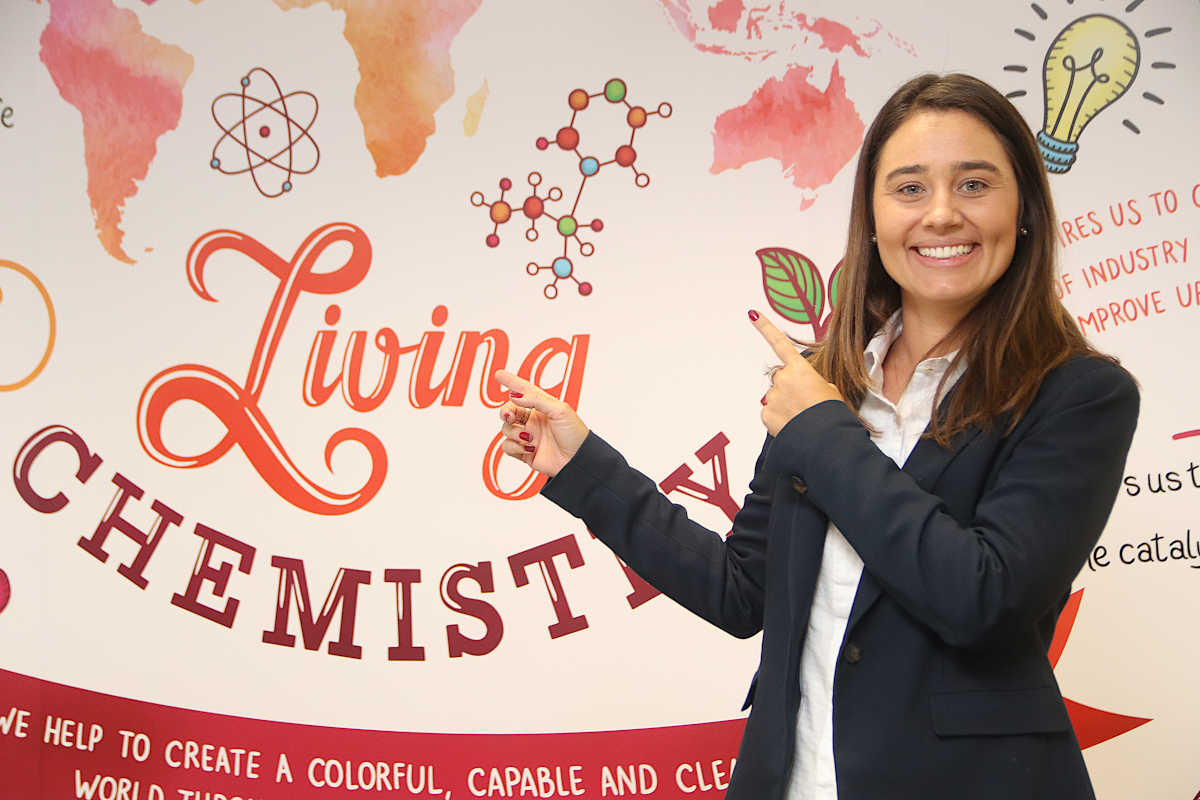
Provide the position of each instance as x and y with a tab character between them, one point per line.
946	252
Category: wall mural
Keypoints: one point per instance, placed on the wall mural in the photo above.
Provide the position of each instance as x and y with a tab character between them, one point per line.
263	258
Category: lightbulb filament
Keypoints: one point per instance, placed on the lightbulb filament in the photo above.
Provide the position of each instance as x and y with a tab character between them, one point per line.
1069	64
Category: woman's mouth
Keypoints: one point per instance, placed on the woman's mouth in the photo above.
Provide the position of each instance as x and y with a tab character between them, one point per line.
948	251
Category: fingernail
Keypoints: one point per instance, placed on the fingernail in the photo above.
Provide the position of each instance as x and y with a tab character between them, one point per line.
526	436
515	394
764	400
753	315
530	448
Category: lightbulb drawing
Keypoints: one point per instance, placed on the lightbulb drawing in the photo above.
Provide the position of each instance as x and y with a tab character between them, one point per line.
1091	63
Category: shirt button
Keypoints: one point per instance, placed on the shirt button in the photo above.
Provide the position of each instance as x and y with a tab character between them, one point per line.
852	653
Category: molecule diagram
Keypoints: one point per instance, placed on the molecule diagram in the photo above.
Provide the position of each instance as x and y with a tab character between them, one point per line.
569	223
261	136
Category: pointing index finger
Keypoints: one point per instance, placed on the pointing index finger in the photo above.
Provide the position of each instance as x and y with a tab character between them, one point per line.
511	381
531	395
782	345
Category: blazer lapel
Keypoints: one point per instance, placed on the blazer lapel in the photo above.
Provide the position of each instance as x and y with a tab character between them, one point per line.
928	461
925	464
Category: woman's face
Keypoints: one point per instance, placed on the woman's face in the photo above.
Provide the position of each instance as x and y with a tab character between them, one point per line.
945	201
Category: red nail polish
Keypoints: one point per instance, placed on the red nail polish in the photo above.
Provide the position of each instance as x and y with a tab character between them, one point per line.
753	315
526	436
530	448
515	394
764	400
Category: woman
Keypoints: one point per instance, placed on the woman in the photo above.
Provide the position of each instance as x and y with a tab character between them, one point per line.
935	474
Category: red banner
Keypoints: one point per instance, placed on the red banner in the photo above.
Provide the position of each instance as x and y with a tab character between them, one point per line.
58	741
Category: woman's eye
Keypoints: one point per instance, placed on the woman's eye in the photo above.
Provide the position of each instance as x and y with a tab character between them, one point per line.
974	185
910	189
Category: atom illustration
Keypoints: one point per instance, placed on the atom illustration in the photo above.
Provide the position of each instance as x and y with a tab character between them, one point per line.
265	134
568	224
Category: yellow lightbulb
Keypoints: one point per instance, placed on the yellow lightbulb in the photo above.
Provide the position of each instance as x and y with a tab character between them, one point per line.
1090	64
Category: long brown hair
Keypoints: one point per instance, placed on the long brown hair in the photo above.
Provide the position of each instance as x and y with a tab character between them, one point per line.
1017	332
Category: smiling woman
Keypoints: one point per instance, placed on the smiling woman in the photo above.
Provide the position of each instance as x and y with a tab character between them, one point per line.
935	474
945	207
949	161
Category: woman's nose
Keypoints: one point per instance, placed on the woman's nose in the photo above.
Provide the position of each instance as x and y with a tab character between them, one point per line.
943	211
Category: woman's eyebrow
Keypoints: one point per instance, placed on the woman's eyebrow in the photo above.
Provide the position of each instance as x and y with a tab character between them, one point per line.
911	169
967	166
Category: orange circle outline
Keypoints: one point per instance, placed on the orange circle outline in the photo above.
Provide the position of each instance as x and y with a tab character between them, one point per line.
9	387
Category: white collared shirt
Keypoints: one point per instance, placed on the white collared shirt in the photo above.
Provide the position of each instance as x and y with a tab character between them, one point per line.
897	429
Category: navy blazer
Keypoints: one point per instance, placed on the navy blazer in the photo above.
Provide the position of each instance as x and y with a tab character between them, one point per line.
943	688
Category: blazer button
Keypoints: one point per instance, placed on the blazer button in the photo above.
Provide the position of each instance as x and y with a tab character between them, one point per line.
800	486
852	653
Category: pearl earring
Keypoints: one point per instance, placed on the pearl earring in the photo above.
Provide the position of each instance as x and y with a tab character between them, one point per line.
1023	231
874	239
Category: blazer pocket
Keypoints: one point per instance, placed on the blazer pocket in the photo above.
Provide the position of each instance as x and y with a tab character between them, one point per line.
750	694
999	713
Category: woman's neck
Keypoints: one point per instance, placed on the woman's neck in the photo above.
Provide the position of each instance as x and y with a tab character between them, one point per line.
926	335
921	337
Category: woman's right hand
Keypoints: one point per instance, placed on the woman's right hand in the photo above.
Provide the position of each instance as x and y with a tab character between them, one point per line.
539	429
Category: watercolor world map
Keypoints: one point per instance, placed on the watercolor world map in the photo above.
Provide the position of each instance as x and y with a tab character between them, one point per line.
106	66
110	69
812	133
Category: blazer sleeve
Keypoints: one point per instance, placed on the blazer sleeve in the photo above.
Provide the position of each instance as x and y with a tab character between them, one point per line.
721	580
1043	506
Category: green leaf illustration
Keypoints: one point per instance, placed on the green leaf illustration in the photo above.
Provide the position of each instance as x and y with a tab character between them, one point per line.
792	284
833	285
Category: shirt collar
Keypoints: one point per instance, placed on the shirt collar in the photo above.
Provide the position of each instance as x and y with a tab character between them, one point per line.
881	342
877	350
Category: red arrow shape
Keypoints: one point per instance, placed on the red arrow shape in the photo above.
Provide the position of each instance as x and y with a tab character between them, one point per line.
1092	725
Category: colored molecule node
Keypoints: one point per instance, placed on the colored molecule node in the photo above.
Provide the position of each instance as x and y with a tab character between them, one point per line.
287	186
264	131
567	222
533	207
500	211
567	138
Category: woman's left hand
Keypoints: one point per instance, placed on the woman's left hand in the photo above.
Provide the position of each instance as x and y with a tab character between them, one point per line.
795	386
